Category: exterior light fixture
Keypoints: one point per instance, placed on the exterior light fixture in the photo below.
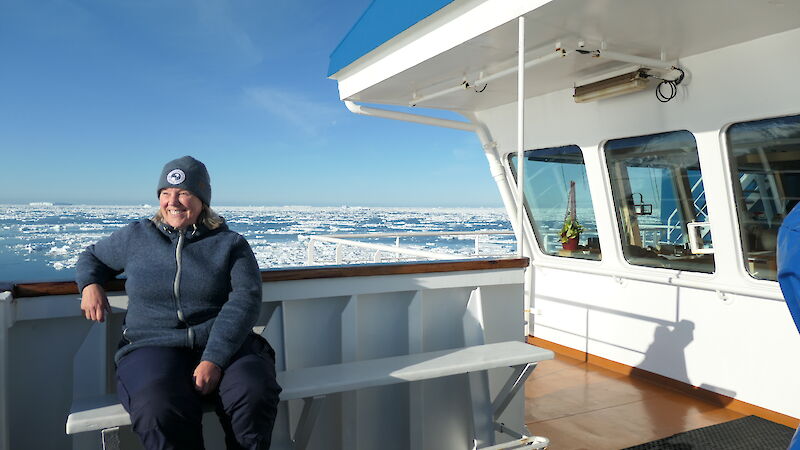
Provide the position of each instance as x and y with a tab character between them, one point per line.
626	83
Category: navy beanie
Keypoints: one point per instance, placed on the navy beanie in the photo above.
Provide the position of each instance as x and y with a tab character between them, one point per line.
186	173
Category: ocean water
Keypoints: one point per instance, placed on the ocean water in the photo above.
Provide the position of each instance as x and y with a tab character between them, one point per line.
42	242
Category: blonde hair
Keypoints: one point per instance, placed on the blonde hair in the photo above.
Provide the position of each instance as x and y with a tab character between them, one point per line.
207	217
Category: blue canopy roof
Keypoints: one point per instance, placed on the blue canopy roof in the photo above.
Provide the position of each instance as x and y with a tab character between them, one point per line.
382	20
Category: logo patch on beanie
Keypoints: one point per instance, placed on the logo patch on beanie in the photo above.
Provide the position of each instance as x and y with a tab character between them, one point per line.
176	176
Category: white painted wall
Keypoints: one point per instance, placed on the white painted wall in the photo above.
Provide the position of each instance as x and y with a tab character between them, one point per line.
327	321
740	346
49	354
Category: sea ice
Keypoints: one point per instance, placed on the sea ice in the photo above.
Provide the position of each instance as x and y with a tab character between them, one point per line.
54	236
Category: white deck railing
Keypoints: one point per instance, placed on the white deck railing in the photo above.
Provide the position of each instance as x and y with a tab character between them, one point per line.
380	250
314	317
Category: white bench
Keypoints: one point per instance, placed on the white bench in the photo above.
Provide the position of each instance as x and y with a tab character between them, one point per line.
313	384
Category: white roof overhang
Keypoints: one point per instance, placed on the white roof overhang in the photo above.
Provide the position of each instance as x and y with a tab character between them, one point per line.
450	27
470	39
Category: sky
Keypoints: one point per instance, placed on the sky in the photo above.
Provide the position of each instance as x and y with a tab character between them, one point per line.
96	95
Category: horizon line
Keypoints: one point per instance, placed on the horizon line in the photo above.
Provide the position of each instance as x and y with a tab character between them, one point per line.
223	205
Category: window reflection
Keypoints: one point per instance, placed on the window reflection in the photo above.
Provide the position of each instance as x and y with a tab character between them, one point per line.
553	176
658	190
765	158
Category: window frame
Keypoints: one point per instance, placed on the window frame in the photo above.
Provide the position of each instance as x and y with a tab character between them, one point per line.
531	223
621	233
736	194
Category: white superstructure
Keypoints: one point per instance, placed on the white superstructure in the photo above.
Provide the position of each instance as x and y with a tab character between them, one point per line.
636	293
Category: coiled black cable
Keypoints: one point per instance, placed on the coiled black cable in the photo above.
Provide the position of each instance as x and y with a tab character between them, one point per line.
672	85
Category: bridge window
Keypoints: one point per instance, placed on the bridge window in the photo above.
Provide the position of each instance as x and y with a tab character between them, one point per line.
658	192
553	176
765	158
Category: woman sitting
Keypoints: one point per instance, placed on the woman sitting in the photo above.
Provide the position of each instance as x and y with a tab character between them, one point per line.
194	294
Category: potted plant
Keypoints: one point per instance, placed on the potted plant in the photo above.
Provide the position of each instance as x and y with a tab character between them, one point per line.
570	233
571	230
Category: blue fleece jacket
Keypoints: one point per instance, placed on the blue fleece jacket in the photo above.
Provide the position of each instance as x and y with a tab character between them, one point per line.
198	288
789	262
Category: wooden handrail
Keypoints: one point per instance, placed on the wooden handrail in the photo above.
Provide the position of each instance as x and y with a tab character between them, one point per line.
303	273
58	288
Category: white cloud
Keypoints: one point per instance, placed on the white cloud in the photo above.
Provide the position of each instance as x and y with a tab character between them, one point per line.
295	108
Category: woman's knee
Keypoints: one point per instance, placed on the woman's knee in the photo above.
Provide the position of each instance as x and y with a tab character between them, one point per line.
251	399
164	406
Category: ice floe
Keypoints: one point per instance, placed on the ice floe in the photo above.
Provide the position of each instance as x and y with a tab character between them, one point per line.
50	238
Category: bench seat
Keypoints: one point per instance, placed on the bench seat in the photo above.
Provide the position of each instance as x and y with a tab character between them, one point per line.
96	413
321	380
103	412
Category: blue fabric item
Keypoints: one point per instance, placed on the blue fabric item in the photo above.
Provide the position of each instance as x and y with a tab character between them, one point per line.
219	287
154	384
789	262
795	444
381	21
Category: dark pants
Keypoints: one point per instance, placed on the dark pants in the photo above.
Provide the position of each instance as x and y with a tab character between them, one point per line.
155	386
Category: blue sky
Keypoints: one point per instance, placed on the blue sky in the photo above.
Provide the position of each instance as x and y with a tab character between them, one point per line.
98	95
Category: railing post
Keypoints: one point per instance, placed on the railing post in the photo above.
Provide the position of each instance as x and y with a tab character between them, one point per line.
416	390
473	326
310	252
350	352
6	321
521	136
377	256
338	253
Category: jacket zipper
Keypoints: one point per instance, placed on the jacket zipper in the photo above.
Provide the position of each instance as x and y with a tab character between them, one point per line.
176	287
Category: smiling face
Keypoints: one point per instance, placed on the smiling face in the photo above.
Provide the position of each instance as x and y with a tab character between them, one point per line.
179	207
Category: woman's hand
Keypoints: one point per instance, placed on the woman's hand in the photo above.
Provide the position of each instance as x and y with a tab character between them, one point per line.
94	302
206	377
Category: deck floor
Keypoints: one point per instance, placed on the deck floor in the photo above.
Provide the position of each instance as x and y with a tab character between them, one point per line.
581	406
